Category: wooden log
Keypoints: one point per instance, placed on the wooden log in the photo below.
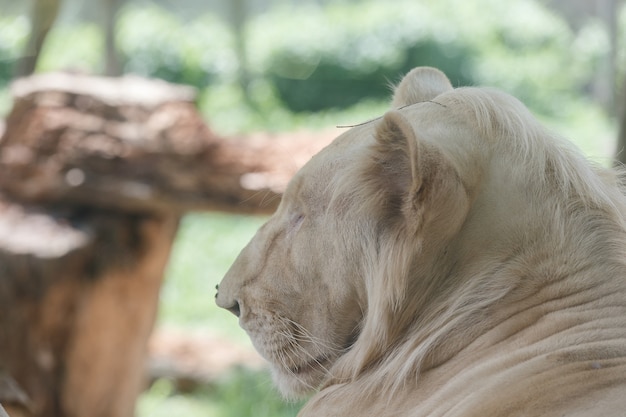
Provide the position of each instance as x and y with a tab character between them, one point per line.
135	144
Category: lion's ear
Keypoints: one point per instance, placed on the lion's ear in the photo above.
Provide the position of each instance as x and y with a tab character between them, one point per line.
420	84
398	158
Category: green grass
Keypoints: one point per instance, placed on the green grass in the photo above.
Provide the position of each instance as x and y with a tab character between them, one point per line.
242	393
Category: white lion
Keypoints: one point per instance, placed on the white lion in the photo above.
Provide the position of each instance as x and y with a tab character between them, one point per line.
452	258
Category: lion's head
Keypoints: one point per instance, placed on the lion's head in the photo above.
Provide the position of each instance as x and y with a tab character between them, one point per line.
382	254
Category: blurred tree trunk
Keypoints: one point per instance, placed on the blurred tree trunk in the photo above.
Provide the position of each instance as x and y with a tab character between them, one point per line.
606	76
43	16
78	301
113	61
239	14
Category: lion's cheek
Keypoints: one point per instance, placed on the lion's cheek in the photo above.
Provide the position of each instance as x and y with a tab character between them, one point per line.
294	381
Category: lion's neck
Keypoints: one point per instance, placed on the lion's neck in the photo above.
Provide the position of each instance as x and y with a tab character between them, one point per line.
532	304
507	290
534	264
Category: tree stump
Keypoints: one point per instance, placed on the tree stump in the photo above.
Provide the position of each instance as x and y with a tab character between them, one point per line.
94	176
79	296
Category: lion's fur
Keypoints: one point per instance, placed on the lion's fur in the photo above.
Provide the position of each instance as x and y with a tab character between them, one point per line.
453	258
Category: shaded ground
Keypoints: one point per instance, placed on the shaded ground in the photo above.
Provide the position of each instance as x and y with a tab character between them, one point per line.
191	358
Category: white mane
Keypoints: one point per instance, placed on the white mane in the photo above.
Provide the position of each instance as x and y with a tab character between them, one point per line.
508	121
580	199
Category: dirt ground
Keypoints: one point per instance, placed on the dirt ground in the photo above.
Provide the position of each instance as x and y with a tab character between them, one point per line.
194	357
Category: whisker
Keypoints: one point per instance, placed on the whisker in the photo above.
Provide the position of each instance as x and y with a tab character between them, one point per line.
252	196
358	124
306	335
267	201
293	374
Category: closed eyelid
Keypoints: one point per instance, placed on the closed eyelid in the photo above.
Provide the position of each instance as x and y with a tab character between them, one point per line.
295	222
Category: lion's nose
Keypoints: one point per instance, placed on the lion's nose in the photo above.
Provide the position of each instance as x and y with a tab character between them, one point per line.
226	302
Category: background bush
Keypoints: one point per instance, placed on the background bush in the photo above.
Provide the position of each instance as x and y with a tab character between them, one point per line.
338	55
156	43
13	33
309	58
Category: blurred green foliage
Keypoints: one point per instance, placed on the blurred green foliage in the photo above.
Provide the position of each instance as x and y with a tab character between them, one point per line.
309	58
75	48
156	43
13	31
345	52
